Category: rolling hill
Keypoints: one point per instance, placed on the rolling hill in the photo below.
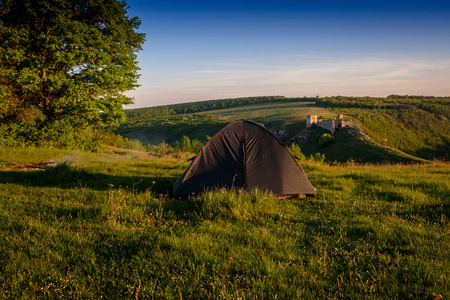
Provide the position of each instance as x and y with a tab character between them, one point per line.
393	129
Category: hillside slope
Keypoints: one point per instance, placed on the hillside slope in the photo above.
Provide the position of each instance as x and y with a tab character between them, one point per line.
351	144
396	129
287	114
417	125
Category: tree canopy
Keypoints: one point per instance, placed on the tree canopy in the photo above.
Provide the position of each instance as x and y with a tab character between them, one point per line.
65	65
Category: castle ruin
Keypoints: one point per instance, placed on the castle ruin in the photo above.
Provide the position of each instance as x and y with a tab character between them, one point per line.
330	125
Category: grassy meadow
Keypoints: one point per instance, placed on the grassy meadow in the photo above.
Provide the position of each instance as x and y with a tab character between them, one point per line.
100	225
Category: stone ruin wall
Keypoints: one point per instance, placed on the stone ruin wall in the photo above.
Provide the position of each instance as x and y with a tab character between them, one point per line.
311	120
350	124
330	125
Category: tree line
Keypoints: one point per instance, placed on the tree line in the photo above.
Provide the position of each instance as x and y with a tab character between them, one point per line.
140	114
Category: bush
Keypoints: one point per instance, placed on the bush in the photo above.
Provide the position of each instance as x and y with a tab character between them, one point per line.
196	146
186	144
325	140
296	151
134	144
318	157
59	134
161	149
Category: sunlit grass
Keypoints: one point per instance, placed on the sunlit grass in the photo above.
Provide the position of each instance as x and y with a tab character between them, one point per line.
271	112
26	155
83	230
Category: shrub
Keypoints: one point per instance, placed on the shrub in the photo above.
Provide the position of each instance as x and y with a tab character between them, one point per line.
318	157
134	144
296	151
186	144
161	149
325	140
196	146
59	134
177	146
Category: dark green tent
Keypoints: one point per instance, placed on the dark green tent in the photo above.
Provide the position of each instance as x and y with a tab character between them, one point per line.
244	154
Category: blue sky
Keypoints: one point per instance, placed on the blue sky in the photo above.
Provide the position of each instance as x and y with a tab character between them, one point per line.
201	50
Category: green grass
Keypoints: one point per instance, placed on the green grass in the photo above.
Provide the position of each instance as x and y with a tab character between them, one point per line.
101	226
271	113
27	155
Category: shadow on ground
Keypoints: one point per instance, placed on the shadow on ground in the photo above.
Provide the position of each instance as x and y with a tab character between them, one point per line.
66	177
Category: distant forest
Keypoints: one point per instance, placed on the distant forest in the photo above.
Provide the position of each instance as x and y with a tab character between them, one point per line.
139	114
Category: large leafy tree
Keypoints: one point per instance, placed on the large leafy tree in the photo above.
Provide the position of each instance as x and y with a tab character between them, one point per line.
65	64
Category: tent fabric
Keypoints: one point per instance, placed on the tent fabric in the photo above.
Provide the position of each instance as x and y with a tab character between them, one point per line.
244	154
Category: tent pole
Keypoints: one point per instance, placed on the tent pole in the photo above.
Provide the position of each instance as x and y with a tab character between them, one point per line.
244	150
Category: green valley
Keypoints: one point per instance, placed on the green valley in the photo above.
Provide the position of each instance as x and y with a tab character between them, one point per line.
391	127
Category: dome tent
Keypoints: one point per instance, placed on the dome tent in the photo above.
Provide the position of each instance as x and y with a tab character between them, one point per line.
244	154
